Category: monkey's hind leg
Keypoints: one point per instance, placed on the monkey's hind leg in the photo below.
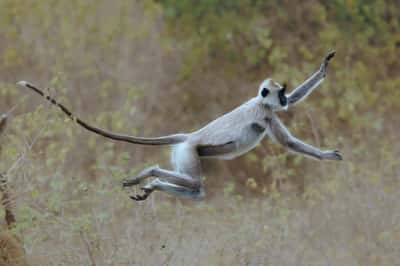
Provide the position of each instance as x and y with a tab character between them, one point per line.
183	181
170	188
176	178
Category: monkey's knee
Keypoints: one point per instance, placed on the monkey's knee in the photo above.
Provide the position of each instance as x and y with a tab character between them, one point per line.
147	172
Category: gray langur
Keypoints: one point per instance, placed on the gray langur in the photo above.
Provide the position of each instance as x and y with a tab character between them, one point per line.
227	137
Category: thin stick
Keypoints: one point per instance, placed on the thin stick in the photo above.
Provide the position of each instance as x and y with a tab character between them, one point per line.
3	123
88	248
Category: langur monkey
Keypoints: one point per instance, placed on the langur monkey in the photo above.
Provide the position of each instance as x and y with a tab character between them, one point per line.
227	137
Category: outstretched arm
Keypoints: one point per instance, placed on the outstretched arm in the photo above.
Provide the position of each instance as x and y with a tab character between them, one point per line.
302	91
281	134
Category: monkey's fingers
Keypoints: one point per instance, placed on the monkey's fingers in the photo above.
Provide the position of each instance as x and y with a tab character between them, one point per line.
330	55
338	155
324	64
333	155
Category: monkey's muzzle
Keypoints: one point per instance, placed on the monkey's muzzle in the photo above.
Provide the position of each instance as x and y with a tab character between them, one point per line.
282	96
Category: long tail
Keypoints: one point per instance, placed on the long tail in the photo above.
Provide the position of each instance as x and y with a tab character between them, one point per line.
165	140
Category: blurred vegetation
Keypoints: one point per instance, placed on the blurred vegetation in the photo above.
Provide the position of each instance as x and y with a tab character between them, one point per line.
152	68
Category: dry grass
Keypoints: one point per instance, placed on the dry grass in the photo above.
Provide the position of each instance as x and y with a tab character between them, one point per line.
11	251
347	220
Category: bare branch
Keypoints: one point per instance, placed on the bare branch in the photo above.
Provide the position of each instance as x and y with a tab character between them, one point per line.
3	123
88	247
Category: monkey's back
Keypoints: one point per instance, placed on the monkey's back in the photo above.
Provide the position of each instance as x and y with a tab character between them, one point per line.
240	127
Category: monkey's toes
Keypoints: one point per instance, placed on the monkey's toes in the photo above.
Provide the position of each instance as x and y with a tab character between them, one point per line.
139	197
144	196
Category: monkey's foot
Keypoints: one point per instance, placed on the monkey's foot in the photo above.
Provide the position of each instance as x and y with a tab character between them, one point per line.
142	197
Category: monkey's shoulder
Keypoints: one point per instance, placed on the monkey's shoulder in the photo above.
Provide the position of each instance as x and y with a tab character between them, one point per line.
257	128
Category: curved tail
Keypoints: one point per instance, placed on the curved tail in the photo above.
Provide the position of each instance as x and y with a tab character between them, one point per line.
165	140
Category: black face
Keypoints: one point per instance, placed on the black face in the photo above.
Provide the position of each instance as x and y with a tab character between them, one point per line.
264	92
282	96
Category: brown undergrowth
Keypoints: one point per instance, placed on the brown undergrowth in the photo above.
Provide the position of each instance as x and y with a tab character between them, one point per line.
11	251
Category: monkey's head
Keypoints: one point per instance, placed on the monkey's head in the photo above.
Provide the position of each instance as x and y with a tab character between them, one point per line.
272	94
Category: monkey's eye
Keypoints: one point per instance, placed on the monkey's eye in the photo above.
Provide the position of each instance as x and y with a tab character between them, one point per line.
264	92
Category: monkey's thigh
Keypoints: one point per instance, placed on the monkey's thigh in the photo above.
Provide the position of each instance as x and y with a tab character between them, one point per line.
185	160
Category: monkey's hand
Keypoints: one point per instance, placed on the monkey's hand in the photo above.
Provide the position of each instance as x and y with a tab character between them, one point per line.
331	155
324	64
